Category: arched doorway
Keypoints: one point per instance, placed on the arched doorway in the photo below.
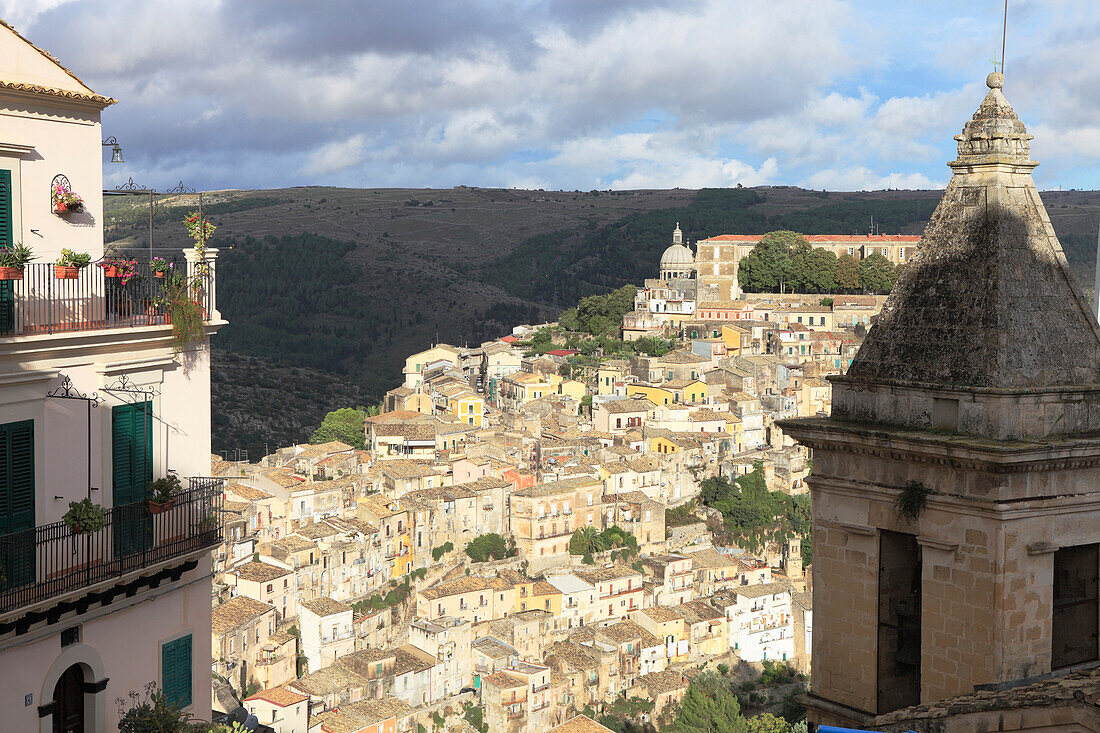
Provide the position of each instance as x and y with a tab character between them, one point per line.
68	696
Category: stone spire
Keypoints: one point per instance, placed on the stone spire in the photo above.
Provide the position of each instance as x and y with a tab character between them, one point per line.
677	235
989	300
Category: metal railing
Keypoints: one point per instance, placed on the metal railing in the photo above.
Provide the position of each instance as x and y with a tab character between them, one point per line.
42	303
49	560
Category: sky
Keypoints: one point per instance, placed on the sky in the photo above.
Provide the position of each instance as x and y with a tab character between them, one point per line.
572	94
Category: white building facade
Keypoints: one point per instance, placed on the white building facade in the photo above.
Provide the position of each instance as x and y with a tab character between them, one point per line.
94	404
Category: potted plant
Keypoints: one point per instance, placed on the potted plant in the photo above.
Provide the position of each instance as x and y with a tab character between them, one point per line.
84	517
117	267
70	263
13	260
160	267
162	493
64	200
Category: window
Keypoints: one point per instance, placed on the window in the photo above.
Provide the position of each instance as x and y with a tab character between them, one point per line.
851	251
1074	638
885	252
175	671
270	588
901	253
17	496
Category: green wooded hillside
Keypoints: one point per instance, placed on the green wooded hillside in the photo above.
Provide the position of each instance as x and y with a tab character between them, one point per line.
328	290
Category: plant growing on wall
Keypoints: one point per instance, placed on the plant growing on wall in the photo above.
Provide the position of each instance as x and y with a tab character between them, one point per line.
910	502
84	517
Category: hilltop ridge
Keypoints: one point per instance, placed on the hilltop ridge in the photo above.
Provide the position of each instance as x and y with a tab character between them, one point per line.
348	282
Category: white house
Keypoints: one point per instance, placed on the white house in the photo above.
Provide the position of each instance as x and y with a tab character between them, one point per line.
447	639
327	631
94	404
578	597
760	624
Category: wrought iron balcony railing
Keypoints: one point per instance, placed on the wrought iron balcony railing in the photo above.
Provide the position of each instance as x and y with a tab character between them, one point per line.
42	303
51	560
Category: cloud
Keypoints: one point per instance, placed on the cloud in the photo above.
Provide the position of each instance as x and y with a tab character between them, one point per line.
567	93
335	156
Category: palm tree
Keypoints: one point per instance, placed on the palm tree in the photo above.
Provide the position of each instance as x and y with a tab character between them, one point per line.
587	541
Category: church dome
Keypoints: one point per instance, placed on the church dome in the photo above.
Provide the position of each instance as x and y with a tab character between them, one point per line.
677	256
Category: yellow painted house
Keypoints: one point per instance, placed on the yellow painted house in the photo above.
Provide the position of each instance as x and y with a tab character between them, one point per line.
465	404
656	395
523	387
418	362
573	388
738	340
609	374
687	391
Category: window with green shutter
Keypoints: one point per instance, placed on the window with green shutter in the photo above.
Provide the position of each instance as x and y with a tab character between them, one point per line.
175	671
132	470
7	287
17	502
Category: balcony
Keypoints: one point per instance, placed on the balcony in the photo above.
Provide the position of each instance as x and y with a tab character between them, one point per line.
50	561
42	304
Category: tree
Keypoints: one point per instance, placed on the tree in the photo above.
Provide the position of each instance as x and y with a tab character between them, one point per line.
345	425
489	546
569	321
709	706
819	271
847	273
876	273
585	541
769	263
768	723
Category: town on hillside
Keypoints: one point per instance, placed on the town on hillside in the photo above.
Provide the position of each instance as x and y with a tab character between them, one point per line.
876	457
552	523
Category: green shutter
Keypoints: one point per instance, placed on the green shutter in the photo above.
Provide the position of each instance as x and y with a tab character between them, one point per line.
17	502
131	451
132	471
175	671
7	287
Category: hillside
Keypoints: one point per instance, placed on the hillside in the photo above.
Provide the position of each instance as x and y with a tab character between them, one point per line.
327	290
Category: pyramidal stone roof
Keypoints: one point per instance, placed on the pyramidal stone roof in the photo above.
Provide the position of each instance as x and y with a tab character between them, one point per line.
988	301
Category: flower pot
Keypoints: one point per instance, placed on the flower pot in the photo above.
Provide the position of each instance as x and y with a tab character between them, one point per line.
111	272
60	207
159	507
79	529
158	275
11	273
66	272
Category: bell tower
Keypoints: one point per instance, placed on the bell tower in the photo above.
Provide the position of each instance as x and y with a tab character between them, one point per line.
956	486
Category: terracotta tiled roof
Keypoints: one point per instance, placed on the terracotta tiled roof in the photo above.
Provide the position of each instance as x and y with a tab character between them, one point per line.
248	493
465	584
280	696
820	238
324	606
236	611
658	682
260	572
580	724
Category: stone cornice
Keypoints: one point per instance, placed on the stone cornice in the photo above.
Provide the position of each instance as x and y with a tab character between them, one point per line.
991	507
859	383
78	345
953	451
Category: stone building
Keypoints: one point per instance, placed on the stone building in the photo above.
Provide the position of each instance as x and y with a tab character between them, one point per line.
956	501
